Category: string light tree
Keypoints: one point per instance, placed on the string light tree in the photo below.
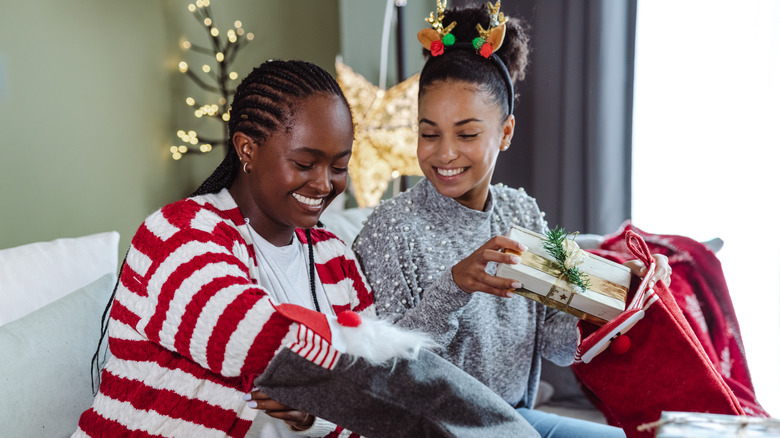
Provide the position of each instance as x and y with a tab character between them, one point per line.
219	78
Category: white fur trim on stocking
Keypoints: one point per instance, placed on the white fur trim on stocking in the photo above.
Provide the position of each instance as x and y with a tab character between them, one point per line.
377	341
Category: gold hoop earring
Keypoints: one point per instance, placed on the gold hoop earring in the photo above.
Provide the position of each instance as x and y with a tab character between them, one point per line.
245	170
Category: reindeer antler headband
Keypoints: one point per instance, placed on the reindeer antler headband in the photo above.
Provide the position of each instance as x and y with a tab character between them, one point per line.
488	41
438	37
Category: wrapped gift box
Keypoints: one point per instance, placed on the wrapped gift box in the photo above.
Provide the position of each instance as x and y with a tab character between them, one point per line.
694	425
604	299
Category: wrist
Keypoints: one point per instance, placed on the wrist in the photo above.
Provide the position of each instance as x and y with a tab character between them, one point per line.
455	281
303	425
318	428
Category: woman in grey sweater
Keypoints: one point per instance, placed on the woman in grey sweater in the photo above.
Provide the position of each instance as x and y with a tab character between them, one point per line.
426	251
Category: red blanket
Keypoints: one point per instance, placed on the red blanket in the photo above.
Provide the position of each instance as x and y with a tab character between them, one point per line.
699	288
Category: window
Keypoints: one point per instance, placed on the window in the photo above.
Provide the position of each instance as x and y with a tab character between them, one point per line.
706	149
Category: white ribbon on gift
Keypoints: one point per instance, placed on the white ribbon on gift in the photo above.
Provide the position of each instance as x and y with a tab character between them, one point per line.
575	256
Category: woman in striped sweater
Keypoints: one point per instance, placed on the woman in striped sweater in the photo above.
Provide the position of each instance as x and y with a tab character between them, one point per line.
215	293
194	317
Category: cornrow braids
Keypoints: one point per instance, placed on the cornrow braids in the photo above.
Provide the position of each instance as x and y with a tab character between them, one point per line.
263	104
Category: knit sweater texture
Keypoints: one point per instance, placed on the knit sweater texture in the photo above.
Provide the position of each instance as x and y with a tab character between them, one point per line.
190	328
407	249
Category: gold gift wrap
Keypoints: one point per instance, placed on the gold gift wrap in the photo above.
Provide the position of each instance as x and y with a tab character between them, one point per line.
604	299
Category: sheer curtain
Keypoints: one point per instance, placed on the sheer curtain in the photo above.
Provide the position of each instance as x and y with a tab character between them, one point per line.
706	142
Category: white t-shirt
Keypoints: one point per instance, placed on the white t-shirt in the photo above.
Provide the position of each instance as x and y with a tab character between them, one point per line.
284	275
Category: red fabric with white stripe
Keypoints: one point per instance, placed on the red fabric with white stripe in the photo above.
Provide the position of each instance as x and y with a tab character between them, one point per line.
665	369
190	329
699	288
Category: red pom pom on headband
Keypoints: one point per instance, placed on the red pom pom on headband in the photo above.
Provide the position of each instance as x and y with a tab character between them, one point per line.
437	48
437	37
486	50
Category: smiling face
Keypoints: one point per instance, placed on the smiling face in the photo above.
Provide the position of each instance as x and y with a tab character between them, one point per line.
462	129
295	174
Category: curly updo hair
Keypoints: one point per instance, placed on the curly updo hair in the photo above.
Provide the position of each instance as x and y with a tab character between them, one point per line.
263	105
466	65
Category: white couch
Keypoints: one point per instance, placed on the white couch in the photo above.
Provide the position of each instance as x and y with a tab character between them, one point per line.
52	297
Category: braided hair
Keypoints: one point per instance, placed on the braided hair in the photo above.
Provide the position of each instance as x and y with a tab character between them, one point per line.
466	66
263	104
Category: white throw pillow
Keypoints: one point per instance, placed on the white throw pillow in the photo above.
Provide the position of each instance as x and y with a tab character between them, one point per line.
346	224
45	363
34	275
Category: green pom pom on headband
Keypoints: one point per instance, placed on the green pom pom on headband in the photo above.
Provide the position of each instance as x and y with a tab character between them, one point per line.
477	42
448	39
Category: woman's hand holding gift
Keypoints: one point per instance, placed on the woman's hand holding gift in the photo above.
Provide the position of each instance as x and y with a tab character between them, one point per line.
470	276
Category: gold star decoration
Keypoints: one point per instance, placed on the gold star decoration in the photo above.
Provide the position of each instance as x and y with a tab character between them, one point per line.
385	145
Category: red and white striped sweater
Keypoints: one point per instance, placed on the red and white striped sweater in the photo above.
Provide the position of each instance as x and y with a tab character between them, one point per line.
190	329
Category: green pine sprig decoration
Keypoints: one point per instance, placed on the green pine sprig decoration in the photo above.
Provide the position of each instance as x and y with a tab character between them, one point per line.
553	244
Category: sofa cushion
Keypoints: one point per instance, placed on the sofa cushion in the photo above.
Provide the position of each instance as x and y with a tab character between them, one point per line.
45	365
346	224
34	275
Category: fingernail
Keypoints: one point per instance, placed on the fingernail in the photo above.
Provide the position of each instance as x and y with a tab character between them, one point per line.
509	295
247	397
522	246
252	404
516	260
517	285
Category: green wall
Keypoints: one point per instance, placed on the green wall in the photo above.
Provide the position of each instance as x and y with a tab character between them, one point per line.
361	37
90	98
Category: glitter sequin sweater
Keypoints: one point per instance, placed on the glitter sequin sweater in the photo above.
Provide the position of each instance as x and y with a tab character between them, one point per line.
190	328
407	248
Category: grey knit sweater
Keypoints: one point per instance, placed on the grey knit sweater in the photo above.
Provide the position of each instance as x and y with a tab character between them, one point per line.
407	249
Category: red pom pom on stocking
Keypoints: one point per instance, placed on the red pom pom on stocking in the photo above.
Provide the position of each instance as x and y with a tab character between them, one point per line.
620	345
349	318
